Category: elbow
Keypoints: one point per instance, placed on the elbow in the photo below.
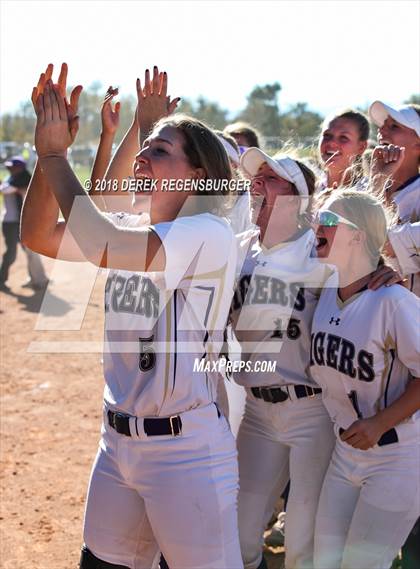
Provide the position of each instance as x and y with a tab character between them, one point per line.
28	237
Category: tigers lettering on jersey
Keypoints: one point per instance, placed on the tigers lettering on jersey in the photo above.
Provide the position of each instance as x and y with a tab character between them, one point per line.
340	354
135	294
268	290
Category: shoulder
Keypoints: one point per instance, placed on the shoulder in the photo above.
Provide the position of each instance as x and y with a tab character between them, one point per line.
123	219
394	296
206	225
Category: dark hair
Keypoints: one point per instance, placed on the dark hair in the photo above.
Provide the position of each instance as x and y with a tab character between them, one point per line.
359	119
203	150
251	134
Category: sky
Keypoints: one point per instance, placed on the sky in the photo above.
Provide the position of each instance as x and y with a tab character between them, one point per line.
331	54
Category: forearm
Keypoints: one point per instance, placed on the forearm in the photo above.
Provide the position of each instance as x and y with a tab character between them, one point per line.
89	227
121	166
402	408
39	213
100	166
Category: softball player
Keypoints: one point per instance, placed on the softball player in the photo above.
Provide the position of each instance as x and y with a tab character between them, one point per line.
165	476
398	157
365	357
344	139
286	430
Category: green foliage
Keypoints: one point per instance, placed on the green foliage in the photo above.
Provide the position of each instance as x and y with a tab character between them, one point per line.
262	109
413	100
209	112
297	123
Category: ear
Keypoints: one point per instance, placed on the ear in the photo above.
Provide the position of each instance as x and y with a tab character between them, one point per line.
359	237
199	174
363	144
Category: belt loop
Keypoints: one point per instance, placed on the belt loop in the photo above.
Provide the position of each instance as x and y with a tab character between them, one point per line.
309	391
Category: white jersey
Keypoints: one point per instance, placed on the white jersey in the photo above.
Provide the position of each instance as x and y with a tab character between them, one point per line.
364	351
272	309
407	201
240	215
156	324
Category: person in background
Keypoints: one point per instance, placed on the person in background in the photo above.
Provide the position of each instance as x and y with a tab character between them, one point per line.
13	191
245	135
343	141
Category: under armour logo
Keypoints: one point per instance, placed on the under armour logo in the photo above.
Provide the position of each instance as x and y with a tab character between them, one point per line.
336	320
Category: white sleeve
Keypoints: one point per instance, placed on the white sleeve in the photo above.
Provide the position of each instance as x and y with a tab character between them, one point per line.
405	332
195	247
6	188
405	240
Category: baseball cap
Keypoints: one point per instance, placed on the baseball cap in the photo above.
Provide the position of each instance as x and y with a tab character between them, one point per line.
15	161
283	166
406	116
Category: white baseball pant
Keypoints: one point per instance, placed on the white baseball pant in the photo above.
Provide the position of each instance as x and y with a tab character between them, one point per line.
276	440
369	503
177	495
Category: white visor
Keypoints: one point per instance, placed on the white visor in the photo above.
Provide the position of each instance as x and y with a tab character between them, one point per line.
231	151
406	116
283	166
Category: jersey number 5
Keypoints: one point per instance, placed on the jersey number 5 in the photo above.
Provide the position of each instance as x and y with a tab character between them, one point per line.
147	357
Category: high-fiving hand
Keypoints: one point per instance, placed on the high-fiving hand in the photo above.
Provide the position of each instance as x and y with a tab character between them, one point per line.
61	85
153	100
52	133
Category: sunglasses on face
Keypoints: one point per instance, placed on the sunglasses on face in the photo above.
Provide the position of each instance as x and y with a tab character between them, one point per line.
329	218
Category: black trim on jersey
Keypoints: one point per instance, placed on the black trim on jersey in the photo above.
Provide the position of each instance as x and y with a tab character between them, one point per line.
412	282
388	379
407	183
175	338
211	289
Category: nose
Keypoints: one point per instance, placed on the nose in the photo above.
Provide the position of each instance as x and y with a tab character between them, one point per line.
383	131
257	183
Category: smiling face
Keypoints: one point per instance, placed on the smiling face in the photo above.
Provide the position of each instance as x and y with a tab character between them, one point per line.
272	195
336	244
340	144
392	132
162	157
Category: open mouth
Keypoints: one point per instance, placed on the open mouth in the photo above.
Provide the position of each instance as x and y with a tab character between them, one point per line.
258	201
321	242
330	155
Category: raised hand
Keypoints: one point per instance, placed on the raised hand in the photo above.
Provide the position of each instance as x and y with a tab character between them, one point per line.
52	132
110	115
61	85
153	100
386	160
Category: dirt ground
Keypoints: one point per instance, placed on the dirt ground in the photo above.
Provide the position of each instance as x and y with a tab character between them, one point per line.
50	416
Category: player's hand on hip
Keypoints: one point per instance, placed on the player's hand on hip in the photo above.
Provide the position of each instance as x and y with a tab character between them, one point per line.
52	132
153	100
363	433
61	85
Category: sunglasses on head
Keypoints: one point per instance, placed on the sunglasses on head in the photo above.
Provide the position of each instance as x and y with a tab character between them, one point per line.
329	218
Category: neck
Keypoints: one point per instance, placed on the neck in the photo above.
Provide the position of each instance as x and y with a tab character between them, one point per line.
274	233
169	211
334	178
404	173
354	276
